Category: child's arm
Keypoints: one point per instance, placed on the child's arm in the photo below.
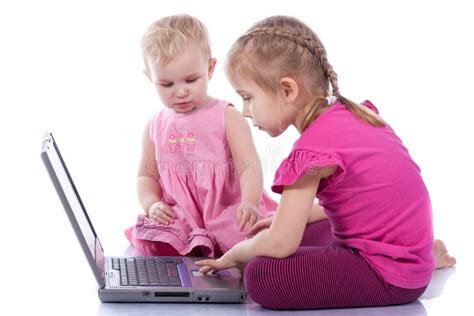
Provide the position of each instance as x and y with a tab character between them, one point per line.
317	214
246	163
148	188
286	231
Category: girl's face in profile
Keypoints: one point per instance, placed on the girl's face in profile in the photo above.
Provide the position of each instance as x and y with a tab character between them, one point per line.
266	110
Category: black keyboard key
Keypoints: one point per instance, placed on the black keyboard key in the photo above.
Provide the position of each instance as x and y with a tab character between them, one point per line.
123	278
115	264
142	273
152	273
175	281
122	264
165	282
148	271
132	272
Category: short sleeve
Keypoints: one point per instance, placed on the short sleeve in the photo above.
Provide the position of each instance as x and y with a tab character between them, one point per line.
303	161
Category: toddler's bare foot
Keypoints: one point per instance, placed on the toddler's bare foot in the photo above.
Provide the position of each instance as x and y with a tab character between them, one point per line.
442	257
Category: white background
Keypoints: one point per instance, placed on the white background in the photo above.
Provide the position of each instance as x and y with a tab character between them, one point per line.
74	68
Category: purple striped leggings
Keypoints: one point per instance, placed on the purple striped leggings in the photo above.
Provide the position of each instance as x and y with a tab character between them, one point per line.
321	274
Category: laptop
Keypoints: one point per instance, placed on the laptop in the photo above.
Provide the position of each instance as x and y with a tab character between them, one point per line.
137	279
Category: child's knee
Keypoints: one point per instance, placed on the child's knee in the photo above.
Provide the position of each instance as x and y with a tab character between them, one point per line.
129	234
258	280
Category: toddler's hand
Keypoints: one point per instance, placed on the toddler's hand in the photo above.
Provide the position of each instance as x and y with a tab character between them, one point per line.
247	213
161	213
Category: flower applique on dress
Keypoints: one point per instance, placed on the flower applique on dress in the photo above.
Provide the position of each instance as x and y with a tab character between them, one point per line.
191	141
172	143
181	139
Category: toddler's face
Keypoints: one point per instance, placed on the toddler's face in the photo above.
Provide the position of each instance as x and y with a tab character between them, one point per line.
266	110
182	83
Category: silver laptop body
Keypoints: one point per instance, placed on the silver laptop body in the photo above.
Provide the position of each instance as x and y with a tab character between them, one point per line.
137	279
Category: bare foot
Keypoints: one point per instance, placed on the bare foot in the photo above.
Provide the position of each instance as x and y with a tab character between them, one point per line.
443	259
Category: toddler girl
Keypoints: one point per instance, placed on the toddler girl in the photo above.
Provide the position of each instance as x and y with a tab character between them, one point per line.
199	180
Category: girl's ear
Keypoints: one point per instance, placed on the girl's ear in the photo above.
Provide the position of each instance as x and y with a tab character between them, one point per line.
210	68
289	88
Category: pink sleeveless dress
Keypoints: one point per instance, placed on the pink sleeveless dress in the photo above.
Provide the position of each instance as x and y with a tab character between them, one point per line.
198	181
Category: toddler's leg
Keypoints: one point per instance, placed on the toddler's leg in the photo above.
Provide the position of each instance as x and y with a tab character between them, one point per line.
225	230
321	277
150	248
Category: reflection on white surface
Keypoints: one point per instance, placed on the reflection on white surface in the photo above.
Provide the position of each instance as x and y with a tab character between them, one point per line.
172	309
410	310
434	290
437	284
250	309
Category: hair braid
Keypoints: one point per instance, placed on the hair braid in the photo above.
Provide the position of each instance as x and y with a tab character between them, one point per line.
330	73
260	54
315	46
317	49
304	41
311	43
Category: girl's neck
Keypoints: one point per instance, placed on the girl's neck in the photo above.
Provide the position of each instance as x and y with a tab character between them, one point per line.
299	121
302	121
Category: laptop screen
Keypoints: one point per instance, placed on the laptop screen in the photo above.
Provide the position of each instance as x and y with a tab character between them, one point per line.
74	207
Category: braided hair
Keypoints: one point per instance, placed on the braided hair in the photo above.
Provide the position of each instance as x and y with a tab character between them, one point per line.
281	46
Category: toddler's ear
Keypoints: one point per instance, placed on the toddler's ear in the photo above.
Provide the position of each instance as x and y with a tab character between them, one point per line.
211	67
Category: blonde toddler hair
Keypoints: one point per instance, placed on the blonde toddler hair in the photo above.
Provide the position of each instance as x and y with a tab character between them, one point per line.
282	46
169	36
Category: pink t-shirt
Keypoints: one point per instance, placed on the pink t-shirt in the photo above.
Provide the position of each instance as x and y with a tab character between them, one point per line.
376	200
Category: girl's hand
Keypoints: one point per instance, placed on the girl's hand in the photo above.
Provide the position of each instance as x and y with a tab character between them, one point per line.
247	213
161	213
259	226
213	265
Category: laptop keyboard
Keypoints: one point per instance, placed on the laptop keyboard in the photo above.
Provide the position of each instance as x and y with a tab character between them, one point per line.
148	271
